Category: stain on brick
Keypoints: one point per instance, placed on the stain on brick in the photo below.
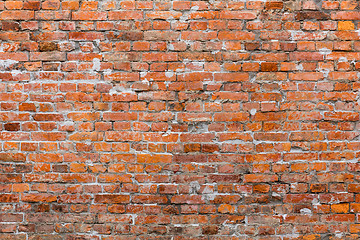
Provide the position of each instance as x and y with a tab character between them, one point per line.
47	46
269	67
273	5
210	230
306	15
12	126
10	26
126	36
252	46
32	5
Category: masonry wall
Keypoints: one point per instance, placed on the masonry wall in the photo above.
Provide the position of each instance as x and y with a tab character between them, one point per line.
179	120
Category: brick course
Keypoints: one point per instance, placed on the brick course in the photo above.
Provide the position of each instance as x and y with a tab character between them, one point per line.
179	120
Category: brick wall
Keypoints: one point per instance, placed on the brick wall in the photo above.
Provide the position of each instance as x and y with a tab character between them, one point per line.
179	120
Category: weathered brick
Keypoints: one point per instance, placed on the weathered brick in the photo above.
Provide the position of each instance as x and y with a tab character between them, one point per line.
179	119
12	126
47	46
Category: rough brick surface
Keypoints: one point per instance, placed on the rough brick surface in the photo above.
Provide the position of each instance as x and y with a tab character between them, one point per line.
179	120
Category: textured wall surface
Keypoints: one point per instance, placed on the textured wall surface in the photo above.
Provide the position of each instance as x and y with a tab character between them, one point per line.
179	120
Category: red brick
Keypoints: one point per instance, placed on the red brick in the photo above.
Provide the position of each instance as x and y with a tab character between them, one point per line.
125	15
17	15
273	5
110	198
12	126
89	15
38	197
179	119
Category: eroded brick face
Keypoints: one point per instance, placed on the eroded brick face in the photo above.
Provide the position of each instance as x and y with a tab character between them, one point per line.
179	120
